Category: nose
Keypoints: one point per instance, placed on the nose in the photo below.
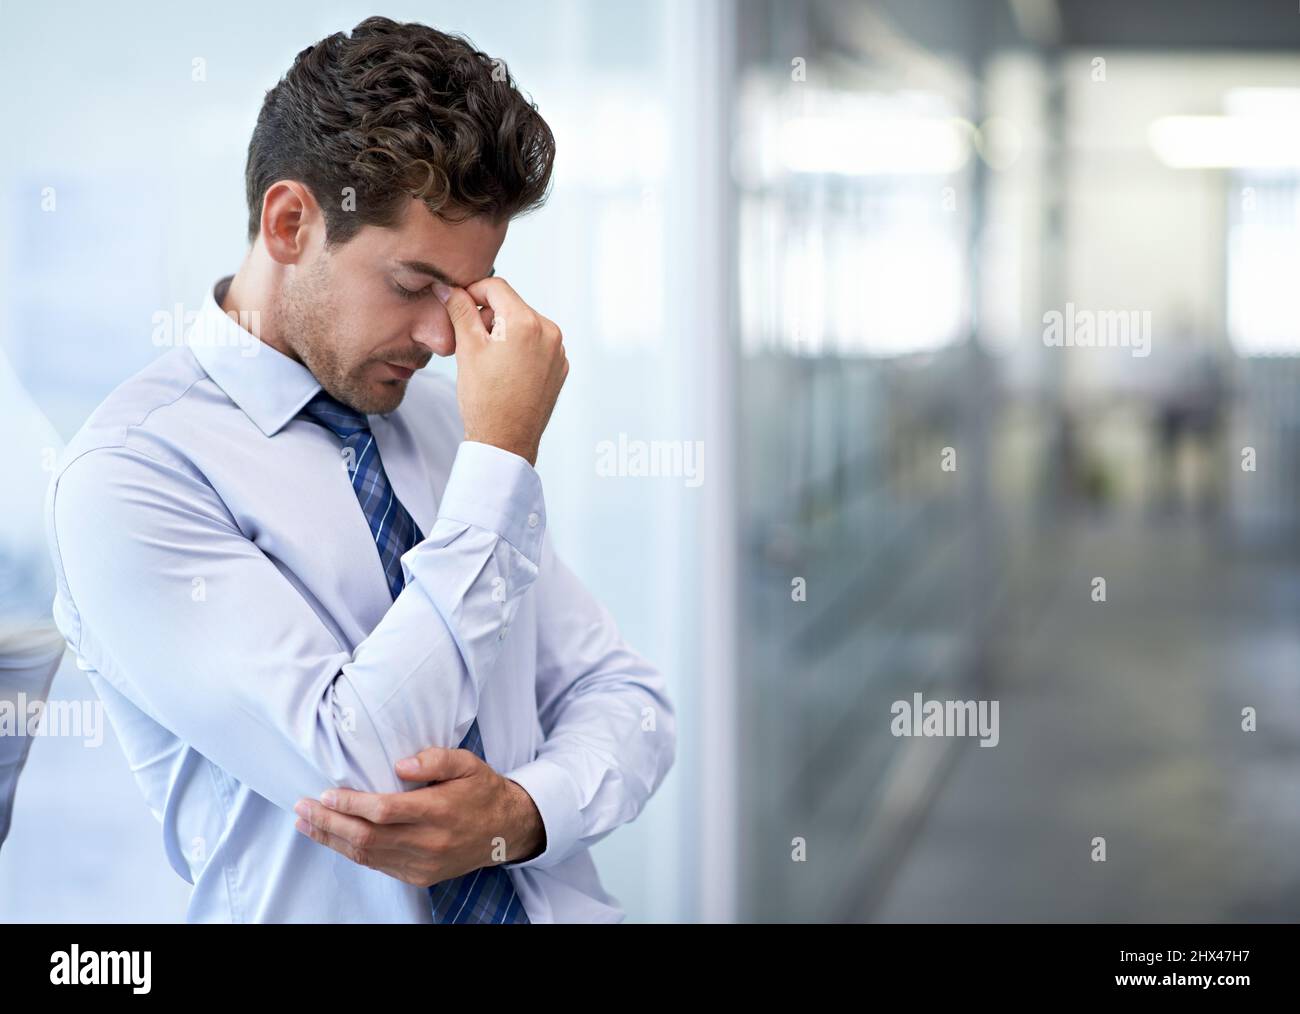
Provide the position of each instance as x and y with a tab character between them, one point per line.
434	332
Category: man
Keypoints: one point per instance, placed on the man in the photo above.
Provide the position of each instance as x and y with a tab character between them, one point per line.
290	561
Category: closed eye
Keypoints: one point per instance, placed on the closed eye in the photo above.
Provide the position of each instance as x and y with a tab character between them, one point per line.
411	294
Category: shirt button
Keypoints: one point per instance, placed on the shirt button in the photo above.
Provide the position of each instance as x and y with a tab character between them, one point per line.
502	636
533	519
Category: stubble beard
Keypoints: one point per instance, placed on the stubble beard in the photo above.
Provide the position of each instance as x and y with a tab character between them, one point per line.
307	317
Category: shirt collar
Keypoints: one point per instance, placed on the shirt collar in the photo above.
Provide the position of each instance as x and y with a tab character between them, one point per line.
270	387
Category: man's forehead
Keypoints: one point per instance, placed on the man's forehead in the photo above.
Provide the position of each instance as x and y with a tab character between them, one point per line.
446	249
437	273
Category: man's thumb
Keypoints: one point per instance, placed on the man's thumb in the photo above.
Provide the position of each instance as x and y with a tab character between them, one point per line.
434	764
463	312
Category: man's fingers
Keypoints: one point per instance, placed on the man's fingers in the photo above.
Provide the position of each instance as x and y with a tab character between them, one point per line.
497	294
339	845
463	311
377	807
355	831
411	865
436	764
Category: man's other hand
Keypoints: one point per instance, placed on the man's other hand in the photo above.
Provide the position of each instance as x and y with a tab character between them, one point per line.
471	817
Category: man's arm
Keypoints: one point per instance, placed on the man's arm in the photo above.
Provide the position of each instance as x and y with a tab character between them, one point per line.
161	592
610	739
609	724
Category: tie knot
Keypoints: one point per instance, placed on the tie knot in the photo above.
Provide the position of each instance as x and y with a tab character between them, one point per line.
331	413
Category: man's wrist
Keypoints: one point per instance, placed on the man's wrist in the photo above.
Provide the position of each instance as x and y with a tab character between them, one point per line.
526	449
529	841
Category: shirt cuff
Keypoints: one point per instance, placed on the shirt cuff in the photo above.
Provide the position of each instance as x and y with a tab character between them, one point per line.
556	798
490	487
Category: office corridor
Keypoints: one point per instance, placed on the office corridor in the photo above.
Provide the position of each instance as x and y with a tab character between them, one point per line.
1123	720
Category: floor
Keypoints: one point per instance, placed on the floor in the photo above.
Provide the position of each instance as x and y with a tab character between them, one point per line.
1123	720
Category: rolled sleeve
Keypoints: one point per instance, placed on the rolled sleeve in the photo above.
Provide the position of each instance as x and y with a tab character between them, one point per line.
497	490
604	710
248	674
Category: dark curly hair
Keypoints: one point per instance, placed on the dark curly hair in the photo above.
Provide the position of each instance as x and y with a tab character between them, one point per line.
396	111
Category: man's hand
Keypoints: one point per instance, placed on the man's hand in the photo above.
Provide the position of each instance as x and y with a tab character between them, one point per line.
472	817
507	380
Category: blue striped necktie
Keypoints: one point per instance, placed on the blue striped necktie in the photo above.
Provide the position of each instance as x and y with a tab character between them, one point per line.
485	894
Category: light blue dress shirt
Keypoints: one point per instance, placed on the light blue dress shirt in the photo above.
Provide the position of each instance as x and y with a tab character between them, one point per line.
221	589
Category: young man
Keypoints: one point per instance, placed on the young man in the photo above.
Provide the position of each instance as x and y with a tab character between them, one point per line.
288	561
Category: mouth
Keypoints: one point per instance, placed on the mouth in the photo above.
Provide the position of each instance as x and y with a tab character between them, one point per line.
400	372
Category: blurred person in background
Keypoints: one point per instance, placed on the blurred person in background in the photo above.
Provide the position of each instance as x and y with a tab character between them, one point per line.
1190	406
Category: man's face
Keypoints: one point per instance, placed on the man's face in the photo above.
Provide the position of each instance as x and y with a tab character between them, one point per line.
362	315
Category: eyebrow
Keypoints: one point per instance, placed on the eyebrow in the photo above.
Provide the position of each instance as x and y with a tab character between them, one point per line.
433	271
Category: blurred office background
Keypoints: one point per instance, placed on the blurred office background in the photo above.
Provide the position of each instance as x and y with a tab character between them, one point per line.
820	240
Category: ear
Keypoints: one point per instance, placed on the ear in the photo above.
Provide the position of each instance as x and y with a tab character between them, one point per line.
291	220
